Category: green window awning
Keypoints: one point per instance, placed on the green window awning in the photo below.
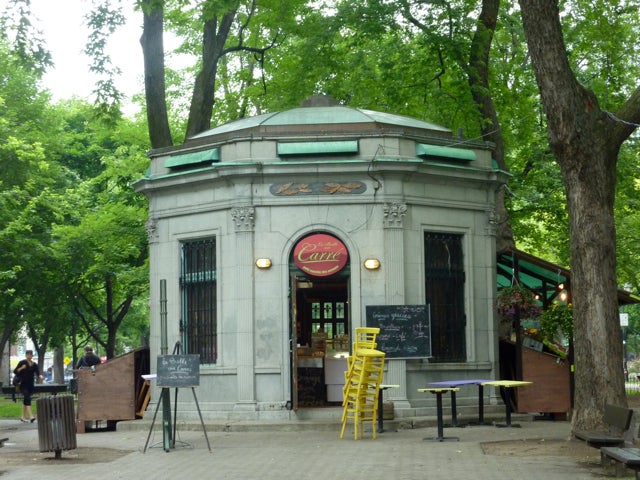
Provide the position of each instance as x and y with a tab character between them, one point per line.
435	151
317	148
193	158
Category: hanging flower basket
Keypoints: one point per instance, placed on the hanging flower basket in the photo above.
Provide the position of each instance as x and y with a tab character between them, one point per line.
517	302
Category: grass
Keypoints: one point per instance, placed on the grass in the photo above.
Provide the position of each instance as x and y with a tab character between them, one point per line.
8	409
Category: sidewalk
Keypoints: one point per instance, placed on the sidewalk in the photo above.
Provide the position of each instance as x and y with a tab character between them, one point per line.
298	454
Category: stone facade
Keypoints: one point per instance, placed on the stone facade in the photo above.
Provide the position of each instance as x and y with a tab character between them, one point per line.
377	182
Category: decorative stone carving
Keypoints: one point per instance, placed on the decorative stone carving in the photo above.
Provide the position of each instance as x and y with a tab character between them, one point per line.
493	219
244	218
393	214
317	188
492	216
152	229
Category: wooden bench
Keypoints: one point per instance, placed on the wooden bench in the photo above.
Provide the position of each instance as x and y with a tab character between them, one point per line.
618	420
624	457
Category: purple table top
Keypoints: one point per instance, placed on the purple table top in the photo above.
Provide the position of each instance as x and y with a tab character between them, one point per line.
457	383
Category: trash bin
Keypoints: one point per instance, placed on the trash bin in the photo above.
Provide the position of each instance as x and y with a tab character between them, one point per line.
56	424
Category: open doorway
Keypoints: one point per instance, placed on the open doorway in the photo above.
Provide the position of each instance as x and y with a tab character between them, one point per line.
320	331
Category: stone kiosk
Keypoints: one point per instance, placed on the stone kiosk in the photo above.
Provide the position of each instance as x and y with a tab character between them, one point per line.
268	230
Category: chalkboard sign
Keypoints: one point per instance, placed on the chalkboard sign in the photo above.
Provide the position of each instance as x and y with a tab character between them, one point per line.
405	330
178	371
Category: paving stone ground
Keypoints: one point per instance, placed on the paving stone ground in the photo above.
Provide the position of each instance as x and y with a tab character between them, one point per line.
303	454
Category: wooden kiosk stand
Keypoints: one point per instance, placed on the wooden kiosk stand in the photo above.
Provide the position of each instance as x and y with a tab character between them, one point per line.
549	373
113	391
175	371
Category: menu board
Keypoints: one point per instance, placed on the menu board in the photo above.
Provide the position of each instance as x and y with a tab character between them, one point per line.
178	371
405	330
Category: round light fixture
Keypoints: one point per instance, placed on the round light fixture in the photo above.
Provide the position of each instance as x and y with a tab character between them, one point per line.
263	263
372	264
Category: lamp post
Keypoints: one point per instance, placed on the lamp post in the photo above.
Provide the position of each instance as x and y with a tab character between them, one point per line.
624	323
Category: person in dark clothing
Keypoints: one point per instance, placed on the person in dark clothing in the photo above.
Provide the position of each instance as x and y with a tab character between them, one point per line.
27	369
89	358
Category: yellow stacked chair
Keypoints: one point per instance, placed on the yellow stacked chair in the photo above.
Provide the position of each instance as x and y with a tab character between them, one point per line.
362	382
365	339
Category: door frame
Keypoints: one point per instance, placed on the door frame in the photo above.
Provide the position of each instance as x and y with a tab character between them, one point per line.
295	279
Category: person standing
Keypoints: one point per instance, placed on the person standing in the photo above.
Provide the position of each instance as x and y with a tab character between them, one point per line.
89	359
27	369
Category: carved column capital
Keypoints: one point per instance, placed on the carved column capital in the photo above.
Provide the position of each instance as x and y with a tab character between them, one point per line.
243	218
393	214
152	229
492	221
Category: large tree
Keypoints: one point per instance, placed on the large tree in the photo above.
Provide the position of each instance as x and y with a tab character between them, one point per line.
212	30
586	141
105	248
477	67
29	183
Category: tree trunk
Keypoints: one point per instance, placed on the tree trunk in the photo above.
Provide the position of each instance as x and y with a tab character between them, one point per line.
154	80
478	78
58	365
585	141
599	375
5	356
213	41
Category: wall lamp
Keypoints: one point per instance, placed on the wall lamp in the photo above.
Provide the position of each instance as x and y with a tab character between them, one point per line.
372	264
263	263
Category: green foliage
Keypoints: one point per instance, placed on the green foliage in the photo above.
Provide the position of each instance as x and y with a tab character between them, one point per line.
105	247
602	38
26	42
558	317
62	166
29	198
103	19
627	213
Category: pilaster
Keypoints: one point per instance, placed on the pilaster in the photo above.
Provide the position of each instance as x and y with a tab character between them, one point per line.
244	223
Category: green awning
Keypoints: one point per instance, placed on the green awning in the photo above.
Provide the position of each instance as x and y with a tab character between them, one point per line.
193	158
424	150
317	148
543	278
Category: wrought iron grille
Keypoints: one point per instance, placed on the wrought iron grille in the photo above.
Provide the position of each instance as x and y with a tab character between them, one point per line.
199	294
445	277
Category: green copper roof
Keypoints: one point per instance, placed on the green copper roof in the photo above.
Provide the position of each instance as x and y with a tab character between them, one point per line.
436	151
336	114
211	155
314	148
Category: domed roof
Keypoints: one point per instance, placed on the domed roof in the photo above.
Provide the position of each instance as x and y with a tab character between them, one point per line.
321	113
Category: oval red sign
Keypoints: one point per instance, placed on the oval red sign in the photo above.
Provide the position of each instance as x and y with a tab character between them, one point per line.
320	255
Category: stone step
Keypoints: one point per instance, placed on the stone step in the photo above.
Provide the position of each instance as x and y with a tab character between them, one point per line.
320	419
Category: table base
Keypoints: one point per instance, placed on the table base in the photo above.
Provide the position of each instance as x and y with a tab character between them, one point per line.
441	439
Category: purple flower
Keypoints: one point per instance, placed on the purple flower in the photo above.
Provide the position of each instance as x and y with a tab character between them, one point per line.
517	301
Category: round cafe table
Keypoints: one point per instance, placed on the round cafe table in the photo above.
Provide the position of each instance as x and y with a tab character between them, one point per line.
438	393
